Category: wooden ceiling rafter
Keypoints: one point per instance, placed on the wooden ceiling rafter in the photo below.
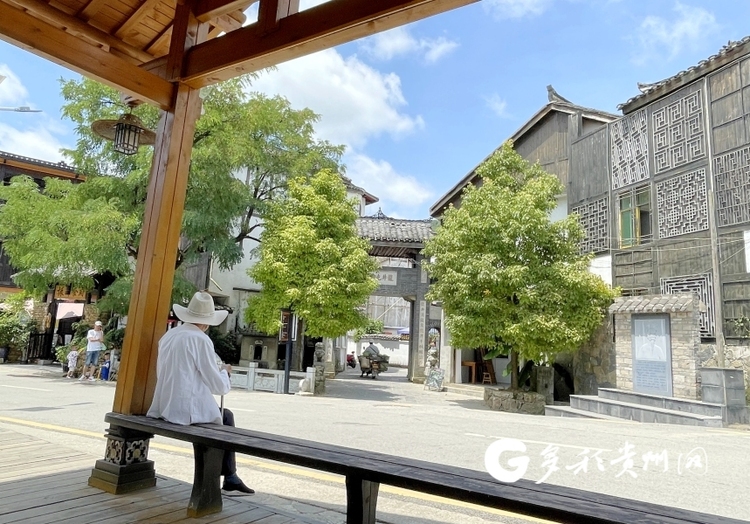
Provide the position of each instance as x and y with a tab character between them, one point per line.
75	26
207	10
90	9
117	42
335	22
131	23
159	46
29	32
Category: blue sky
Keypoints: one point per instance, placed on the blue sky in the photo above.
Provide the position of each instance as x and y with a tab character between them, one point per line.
418	107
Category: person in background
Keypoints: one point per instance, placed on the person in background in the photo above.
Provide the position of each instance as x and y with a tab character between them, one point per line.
72	362
94	346
372	352
104	370
187	377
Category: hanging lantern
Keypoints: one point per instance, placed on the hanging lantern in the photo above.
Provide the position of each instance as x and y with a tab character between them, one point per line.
127	133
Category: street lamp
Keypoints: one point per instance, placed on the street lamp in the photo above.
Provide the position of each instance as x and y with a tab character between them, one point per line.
127	132
21	109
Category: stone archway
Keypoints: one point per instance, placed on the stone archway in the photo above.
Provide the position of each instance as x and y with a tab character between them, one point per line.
404	239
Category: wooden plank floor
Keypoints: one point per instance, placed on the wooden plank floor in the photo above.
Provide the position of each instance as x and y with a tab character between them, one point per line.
42	483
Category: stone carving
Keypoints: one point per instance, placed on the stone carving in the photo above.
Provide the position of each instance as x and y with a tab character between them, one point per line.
679	136
701	285
682	204
732	187
629	142
594	219
320	352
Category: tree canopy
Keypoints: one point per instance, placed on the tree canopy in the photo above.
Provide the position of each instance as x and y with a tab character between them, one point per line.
246	147
312	260
509	277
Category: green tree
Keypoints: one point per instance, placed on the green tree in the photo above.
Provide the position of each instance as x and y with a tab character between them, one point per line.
61	235
372	327
312	260
70	231
509	277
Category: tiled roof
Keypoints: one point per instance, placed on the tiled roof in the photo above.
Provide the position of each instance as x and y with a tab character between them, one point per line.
377	229
656	303
34	161
702	67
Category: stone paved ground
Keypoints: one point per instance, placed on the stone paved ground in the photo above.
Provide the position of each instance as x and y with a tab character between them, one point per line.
393	416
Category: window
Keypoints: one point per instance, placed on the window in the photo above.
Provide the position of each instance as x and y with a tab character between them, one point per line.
635	217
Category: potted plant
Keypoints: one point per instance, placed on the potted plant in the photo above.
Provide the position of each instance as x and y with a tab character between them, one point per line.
61	353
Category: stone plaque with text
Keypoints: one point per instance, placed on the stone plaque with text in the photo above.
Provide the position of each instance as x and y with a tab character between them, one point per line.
652	355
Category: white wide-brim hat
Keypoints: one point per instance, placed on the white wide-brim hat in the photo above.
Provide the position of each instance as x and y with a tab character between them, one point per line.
200	310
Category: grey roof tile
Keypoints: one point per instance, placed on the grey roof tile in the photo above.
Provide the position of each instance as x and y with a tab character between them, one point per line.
382	228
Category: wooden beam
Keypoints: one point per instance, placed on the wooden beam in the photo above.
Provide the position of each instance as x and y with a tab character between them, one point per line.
144	9
157	253
226	23
207	10
160	42
74	25
271	11
90	9
37	36
186	32
335	22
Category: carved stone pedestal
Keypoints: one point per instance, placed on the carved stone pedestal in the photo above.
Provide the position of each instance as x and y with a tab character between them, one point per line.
125	466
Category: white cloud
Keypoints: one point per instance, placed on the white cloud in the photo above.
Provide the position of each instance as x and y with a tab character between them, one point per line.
497	105
516	8
399	41
12	91
355	101
380	178
657	37
37	143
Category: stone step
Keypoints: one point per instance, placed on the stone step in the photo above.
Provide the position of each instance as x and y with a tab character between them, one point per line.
568	412
657	401
642	413
465	389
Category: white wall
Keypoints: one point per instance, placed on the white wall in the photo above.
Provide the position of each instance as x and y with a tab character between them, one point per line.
602	266
561	211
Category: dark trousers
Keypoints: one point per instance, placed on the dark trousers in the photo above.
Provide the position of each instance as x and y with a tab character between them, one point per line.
229	464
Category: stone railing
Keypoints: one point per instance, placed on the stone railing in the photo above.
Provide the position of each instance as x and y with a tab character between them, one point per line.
254	378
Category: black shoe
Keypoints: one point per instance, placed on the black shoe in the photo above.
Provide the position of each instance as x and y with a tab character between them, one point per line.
237	486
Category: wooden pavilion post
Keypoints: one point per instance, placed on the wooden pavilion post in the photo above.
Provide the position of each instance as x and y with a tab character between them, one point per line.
126	466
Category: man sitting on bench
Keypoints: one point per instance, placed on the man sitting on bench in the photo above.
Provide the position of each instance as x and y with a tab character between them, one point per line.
187	375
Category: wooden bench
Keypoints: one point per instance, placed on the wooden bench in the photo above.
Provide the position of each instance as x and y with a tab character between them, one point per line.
365	471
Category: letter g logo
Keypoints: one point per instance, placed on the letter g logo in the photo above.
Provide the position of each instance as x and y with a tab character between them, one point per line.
492	460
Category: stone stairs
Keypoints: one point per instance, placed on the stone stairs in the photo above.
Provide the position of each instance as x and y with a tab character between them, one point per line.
641	407
469	390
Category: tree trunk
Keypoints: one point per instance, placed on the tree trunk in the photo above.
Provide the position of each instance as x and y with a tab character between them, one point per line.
513	370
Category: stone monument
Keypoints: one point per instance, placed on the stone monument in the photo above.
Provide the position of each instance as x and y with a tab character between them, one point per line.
657	341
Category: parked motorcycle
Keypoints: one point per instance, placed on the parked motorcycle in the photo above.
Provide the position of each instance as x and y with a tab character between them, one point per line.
372	367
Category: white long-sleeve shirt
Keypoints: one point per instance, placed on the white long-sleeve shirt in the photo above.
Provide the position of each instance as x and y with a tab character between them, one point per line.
186	378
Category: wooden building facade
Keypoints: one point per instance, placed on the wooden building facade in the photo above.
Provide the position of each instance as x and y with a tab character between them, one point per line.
665	189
